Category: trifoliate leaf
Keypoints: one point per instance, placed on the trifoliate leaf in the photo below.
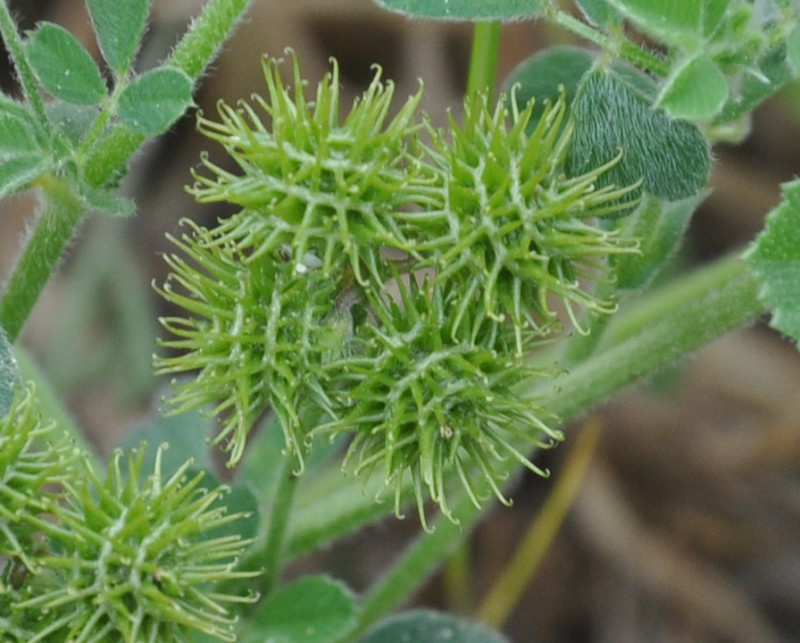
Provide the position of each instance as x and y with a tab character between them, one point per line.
314	609
9	374
64	67
775	258
119	27
155	100
697	89
669	156
466	9
429	625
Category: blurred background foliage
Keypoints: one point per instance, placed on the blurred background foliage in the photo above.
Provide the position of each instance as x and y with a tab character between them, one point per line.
687	526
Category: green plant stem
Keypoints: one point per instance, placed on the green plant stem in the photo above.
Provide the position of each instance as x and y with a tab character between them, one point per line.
483	60
60	214
622	48
201	43
30	87
272	555
688	314
663	326
506	592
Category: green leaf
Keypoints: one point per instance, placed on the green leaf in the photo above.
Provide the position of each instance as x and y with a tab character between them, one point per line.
119	27
9	374
314	609
64	67
155	100
659	226
540	76
466	9
671	157
17	173
16	136
697	89
775	258
675	21
429	625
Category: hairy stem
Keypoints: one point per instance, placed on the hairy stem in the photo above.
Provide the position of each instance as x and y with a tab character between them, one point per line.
202	42
663	326
622	48
483	62
60	214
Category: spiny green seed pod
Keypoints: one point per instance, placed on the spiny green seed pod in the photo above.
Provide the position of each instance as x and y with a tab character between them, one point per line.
423	396
257	338
32	468
512	227
288	297
136	562
321	186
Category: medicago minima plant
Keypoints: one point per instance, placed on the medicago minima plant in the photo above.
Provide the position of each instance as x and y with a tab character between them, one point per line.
384	287
419	306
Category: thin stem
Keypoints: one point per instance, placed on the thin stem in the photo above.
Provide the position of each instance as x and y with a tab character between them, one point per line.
272	555
483	61
619	47
30	87
60	215
509	587
693	311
